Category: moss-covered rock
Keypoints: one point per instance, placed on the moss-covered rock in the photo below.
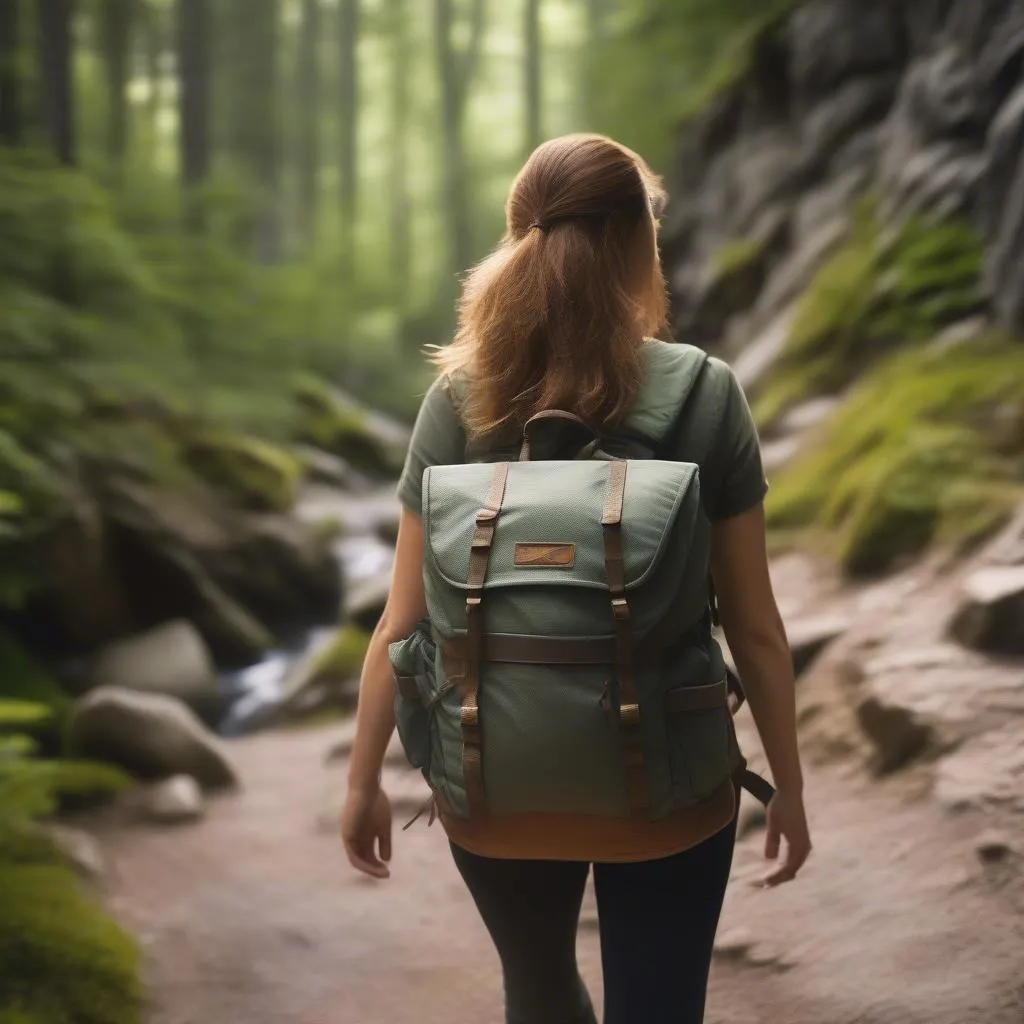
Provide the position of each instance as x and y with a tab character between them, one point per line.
335	423
919	452
882	290
342	658
733	281
319	679
255	474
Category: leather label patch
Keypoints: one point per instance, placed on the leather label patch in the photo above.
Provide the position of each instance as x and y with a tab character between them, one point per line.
545	556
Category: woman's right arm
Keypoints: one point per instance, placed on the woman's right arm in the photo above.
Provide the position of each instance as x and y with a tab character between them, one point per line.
757	639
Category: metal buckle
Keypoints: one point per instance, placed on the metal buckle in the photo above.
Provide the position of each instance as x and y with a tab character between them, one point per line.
620	608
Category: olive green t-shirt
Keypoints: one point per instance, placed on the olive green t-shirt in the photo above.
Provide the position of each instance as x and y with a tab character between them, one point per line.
732	476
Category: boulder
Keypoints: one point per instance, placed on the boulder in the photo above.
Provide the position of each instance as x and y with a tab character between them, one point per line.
897	732
809	637
153	736
174	801
185	556
991	613
171	659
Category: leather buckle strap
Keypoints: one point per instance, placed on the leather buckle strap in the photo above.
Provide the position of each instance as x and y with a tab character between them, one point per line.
479	556
631	734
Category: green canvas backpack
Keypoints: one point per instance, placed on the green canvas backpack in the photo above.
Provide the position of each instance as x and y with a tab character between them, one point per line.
568	663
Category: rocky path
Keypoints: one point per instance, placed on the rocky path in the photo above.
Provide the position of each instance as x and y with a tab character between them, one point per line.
253	916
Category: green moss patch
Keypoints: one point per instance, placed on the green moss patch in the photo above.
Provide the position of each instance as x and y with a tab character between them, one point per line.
926	449
882	290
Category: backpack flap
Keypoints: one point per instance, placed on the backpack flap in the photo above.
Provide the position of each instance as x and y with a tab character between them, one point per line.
547	560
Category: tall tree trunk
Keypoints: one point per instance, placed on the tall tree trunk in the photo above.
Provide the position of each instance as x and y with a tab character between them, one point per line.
401	234
10	92
116	18
532	74
154	41
56	54
348	89
251	113
308	95
193	103
456	73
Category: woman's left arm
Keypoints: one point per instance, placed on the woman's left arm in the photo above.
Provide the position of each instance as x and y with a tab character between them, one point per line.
366	818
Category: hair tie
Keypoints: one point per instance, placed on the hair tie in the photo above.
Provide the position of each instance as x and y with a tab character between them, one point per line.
537	224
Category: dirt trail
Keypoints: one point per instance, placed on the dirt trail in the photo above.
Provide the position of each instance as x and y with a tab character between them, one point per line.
253	916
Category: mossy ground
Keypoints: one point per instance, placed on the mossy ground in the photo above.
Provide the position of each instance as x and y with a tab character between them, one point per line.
927	448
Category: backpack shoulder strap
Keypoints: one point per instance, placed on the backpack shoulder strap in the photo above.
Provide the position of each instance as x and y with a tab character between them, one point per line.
671	375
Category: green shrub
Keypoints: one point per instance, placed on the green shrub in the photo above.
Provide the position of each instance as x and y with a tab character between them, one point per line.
926	448
62	959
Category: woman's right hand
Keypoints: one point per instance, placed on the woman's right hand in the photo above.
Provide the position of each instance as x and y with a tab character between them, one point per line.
787	820
366	824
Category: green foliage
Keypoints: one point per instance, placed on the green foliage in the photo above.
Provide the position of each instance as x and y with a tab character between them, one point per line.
61	958
23	682
927	447
879	291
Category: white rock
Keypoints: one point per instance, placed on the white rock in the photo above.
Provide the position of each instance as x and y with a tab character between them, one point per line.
174	801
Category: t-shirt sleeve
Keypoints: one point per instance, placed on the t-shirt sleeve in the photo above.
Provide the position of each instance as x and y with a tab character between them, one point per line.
738	471
438	439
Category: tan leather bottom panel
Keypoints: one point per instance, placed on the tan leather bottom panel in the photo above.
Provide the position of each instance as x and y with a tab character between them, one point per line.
590	838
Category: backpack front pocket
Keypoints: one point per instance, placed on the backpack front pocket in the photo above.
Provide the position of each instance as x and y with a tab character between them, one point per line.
702	746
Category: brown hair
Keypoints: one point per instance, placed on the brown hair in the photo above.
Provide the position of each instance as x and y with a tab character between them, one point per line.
556	316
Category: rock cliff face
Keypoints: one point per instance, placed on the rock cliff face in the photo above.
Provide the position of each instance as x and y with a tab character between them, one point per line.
919	102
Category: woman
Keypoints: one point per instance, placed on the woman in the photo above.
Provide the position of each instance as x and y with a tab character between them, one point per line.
560	316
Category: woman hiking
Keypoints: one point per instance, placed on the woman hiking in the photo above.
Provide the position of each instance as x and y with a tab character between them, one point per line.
555	747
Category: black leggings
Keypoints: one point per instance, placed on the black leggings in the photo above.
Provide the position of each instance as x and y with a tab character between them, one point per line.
658	920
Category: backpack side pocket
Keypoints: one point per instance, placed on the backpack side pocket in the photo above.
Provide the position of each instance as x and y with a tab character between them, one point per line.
702	746
412	663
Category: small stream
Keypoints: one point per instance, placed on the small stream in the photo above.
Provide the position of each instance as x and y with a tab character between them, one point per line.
364	559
